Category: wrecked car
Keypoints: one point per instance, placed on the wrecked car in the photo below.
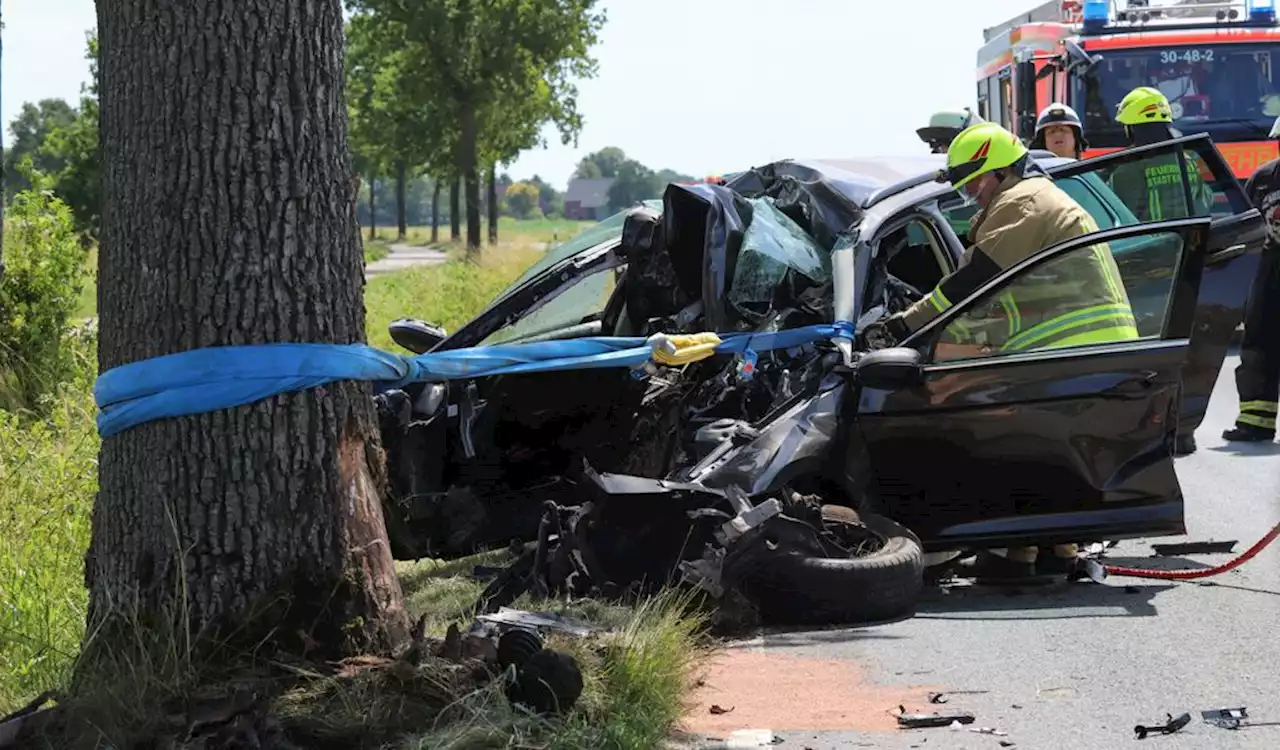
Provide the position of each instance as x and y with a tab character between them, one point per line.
821	479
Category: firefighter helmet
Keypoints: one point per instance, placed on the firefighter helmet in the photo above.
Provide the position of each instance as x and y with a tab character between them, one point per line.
980	149
1059	114
1142	105
943	127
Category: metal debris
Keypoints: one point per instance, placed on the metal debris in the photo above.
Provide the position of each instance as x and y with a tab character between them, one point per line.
1226	718
1169	727
924	721
522	619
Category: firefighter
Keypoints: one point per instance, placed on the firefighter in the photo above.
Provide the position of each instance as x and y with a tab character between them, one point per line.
1258	375
943	127
1022	211
1058	129
1153	187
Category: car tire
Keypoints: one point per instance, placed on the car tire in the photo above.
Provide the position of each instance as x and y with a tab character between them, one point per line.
803	590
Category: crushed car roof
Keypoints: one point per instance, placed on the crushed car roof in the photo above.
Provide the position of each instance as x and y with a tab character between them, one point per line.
861	178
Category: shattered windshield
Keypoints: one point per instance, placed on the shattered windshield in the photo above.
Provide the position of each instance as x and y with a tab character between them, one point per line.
774	251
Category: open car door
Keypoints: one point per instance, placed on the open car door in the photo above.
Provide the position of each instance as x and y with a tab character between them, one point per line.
1016	441
1159	181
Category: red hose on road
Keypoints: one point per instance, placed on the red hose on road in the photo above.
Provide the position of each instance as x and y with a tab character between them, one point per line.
1185	575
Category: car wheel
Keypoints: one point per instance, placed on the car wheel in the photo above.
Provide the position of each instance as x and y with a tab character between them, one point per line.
882	584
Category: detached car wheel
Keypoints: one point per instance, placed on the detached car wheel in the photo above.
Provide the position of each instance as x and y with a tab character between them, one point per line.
882	584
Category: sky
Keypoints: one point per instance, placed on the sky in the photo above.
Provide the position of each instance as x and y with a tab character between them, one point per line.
699	86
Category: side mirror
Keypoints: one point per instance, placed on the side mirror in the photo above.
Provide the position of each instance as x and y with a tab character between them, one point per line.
1078	58
418	336
890	369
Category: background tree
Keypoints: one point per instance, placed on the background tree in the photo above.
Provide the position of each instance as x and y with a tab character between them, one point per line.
632	183
487	58
30	129
550	201
79	182
603	163
523	200
268	517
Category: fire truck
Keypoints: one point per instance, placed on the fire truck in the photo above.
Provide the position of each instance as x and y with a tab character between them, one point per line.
1214	60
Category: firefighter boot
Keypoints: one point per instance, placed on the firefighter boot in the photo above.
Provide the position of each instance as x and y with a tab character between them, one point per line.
1016	565
1060	560
1184	445
1247	433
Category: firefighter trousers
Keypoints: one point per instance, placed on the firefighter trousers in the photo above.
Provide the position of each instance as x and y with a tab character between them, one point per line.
1258	375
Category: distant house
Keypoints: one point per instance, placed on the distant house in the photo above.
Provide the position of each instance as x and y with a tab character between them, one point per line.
587	200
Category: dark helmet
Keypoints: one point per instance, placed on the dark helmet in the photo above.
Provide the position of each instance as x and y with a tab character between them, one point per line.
1059	114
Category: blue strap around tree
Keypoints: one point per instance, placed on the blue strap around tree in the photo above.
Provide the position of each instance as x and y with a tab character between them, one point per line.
206	380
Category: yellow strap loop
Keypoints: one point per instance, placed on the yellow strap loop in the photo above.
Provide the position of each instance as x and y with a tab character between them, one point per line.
678	350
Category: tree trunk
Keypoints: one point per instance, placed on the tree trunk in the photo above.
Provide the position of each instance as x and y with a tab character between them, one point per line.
402	228
470	177
264	521
493	205
373	213
455	210
435	211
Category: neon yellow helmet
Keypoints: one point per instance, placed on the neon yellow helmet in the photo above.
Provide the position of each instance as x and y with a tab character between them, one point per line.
979	149
1143	104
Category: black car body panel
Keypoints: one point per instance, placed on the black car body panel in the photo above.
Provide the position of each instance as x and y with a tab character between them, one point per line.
1055	445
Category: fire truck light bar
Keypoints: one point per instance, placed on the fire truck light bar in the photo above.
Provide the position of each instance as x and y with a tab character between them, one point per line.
1096	14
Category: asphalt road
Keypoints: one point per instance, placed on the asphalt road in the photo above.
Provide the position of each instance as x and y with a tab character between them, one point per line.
1078	665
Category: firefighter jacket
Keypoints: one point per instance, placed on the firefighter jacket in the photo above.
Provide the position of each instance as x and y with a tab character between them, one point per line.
1075	299
1153	188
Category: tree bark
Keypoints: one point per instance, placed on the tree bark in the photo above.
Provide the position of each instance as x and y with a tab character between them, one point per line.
229	219
470	176
435	211
402	228
373	212
455	210
493	205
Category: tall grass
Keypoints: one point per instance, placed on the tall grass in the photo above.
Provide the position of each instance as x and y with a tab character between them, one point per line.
48	478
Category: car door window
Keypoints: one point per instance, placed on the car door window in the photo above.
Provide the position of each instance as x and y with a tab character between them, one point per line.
914	254
1075	298
582	302
1151	183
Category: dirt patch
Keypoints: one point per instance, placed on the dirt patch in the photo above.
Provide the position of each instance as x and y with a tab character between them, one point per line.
771	690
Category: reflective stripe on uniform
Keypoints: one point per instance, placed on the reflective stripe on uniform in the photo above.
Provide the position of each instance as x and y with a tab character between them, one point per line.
1260	414
939	300
1266	423
1266	407
1095	324
1011	313
1114	285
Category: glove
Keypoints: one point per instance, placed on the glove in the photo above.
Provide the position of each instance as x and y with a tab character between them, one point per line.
883	334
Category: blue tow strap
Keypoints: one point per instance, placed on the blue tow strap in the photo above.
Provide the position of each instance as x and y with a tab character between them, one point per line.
215	378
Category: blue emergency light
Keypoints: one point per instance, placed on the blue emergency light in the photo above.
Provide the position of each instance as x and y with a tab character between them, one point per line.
1097	13
1263	11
